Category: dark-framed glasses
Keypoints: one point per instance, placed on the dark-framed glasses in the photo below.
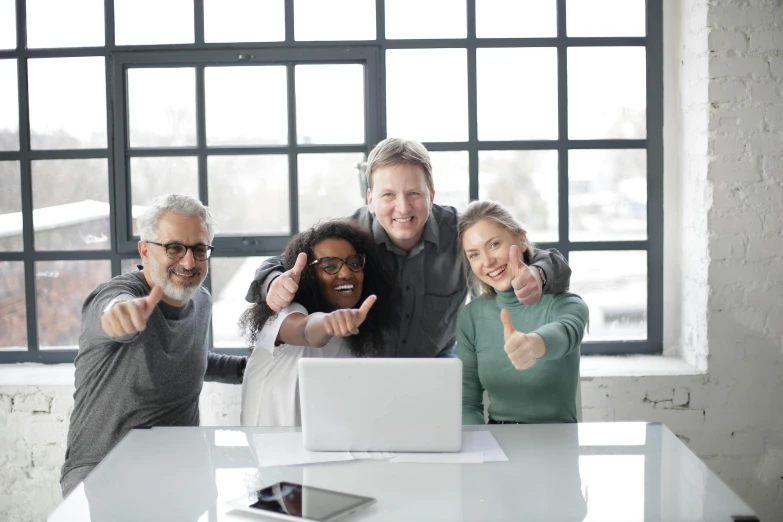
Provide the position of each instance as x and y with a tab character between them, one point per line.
333	265
177	251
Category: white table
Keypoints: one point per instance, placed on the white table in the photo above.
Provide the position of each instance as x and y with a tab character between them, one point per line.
591	471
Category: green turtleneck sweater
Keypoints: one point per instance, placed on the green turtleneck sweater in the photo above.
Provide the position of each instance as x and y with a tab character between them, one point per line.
544	393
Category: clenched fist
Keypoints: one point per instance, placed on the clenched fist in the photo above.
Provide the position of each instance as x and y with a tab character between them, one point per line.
523	349
525	280
129	317
343	323
283	289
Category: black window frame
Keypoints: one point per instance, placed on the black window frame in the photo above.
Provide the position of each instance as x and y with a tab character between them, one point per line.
289	51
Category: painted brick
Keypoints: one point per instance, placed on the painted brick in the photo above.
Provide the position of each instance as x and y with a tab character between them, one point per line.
735	16
743	171
681	397
769	143
5	404
727	41
48	455
738	66
773	117
776	66
733	90
765	93
33	403
732	223
766	247
766	40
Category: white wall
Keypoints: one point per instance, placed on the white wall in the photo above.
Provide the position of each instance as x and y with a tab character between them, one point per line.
724	276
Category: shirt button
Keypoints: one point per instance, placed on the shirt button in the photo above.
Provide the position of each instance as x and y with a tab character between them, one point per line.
404	341
407	288
407	316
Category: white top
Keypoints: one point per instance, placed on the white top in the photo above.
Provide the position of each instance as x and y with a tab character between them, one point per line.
270	392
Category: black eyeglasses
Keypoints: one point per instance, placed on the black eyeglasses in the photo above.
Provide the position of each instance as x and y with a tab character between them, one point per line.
177	251
333	265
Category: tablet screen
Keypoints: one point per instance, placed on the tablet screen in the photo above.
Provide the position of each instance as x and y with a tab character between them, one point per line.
305	501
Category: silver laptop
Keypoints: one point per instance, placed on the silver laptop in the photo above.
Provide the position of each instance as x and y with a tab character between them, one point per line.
381	404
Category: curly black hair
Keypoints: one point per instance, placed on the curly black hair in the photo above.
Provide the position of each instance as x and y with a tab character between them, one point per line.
378	280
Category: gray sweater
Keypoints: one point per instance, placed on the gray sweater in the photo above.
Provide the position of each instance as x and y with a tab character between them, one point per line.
150	378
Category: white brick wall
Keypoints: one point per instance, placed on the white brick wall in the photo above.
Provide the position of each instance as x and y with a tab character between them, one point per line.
724	290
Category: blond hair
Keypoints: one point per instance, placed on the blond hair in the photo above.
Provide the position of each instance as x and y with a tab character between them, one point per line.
496	213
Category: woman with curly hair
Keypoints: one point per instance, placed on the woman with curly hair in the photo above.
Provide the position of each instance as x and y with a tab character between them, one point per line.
341	309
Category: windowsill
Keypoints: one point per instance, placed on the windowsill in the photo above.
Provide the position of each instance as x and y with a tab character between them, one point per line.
592	366
634	366
34	374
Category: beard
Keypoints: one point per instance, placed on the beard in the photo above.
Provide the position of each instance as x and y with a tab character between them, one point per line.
162	277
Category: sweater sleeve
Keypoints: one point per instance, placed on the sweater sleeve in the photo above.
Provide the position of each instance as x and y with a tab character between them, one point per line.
472	390
563	335
223	368
555	266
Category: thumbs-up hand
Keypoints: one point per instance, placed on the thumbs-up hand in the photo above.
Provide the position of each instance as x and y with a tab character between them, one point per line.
525	280
522	349
283	288
129	317
343	323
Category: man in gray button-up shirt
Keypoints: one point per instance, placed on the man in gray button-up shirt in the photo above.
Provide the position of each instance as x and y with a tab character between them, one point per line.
418	241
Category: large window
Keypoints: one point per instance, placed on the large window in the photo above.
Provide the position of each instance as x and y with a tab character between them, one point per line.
266	111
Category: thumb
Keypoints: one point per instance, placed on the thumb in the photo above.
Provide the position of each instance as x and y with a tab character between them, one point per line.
152	300
299	266
365	308
508	326
513	261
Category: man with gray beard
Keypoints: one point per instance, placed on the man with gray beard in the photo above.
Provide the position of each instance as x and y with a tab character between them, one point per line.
143	349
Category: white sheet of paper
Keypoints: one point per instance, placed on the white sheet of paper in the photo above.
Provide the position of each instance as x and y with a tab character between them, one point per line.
485	442
287	449
458	457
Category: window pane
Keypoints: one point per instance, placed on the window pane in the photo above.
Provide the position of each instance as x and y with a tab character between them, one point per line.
7	24
426	19
606	93
76	215
146	22
153	177
329	187
607	194
249	194
244	21
60	288
427	94
231	277
525	182
67	103
516	18
605	18
451	178
84	26
330	103
129	265
317	20
162	107
9	106
246	105
10	207
510	105
614	286
13	319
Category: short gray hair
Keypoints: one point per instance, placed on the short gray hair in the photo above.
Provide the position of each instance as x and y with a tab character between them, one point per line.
178	204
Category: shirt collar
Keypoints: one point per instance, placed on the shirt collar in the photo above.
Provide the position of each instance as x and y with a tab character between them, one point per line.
431	235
